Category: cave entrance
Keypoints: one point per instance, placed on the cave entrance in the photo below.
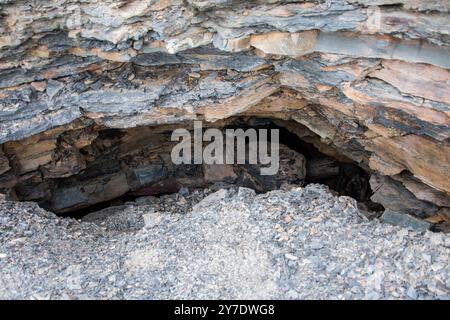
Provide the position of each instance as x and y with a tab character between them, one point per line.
121	165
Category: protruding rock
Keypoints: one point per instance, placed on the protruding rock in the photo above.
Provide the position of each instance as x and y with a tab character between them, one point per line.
405	221
395	197
285	43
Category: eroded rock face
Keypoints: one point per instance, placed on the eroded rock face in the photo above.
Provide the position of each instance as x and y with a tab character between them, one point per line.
369	78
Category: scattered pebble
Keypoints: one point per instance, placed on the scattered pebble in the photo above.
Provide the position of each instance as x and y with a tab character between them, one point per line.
301	243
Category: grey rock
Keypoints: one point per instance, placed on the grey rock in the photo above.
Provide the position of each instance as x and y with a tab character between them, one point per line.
149	174
151	219
227	247
405	221
395	197
53	88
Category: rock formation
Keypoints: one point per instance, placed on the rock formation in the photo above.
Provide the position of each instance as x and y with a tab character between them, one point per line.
364	81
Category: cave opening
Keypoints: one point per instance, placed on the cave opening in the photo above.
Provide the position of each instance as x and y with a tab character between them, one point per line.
121	165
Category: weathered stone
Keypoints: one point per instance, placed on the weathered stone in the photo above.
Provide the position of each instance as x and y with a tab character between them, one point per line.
152	219
292	170
383	47
53	88
65	162
422	191
405	221
170	185
39	85
439	5
29	156
444	213
425	159
89	192
285	43
395	197
149	174
417	79
193	38
219	172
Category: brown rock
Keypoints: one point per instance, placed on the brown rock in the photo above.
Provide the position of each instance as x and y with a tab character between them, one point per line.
427	160
285	43
219	172
444	213
422	191
65	162
421	80
39	86
29	157
4	163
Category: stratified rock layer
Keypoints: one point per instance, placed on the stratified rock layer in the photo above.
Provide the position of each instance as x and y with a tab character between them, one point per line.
369	78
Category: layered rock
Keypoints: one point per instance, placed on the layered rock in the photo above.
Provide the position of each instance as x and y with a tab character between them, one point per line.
369	79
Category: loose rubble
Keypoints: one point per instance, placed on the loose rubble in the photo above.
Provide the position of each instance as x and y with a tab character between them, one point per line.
295	243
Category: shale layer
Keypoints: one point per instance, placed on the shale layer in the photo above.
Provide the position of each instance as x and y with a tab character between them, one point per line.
368	79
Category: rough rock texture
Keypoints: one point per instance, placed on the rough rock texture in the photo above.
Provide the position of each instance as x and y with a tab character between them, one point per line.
302	243
369	78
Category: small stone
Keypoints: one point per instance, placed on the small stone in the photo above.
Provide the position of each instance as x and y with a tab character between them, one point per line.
54	87
403	233
17	240
372	295
219	172
290	256
184	191
211	199
182	200
39	85
148	174
316	219
194	75
151	219
435	238
316	245
405	221
138	44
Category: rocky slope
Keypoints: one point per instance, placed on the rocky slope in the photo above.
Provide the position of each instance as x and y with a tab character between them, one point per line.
368	79
299	243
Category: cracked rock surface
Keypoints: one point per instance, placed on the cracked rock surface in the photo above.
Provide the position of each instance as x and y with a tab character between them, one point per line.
293	243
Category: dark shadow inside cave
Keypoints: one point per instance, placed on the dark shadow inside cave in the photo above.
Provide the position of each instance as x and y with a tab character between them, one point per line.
124	164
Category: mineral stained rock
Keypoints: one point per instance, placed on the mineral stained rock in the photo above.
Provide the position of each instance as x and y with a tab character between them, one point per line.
369	78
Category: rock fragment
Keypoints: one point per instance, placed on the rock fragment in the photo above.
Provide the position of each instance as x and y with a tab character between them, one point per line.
405	221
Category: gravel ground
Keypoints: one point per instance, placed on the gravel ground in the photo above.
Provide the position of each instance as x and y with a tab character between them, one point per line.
302	243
